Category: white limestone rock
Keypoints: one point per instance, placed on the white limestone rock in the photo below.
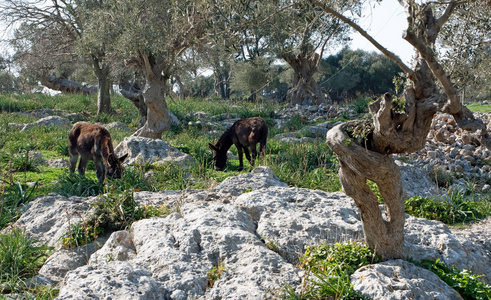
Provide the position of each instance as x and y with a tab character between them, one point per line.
47	218
147	150
415	182
260	177
115	280
119	247
399	279
294	218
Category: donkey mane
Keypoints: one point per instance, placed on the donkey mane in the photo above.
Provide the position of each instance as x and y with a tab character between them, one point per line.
225	140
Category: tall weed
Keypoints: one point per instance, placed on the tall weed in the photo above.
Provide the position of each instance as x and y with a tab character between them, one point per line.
20	259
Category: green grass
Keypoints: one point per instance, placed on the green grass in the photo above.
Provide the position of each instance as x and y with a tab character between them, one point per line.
112	211
454	208
20	260
480	108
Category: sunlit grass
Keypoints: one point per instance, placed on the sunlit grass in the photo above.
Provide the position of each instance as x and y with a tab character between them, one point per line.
480	108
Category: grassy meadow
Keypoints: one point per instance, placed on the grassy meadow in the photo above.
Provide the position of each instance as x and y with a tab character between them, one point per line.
311	165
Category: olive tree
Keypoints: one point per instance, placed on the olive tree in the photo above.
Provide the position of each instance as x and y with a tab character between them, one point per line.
49	36
300	35
150	36
364	147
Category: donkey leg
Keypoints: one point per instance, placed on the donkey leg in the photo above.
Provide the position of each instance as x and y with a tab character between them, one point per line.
262	149
82	165
73	162
248	156
241	159
100	170
254	152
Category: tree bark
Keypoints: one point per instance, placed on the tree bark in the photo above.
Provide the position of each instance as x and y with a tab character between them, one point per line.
384	235
157	73
102	72
183	94
59	83
305	90
363	148
133	93
222	84
104	91
158	119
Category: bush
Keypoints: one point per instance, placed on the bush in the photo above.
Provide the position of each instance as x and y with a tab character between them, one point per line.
327	269
111	212
20	259
464	282
454	208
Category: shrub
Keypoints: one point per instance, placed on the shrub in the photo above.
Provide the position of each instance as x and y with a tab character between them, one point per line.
464	282
441	177
20	259
111	212
327	269
454	208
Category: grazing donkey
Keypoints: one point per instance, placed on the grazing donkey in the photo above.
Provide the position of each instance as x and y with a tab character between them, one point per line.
93	142
243	134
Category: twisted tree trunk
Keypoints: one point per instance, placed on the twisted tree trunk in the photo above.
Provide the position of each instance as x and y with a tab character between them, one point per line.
158	119
133	93
363	147
60	83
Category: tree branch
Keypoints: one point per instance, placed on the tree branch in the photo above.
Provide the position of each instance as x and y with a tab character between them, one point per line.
355	26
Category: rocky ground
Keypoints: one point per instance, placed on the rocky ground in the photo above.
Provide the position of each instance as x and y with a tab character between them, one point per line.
235	225
256	227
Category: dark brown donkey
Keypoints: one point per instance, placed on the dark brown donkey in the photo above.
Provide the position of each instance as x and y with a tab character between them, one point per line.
244	134
93	142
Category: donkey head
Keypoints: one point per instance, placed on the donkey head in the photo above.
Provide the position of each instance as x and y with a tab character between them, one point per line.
115	167
219	156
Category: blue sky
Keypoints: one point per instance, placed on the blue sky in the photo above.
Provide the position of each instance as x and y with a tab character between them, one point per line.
385	22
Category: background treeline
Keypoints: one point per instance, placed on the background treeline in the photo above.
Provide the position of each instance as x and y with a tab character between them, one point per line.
345	75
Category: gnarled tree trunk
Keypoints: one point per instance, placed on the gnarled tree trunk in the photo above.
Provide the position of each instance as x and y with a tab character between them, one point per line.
305	90
157	73
158	119
363	148
133	92
61	84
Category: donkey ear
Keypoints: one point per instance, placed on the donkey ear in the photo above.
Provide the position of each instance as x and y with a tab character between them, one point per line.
111	158
212	147
122	158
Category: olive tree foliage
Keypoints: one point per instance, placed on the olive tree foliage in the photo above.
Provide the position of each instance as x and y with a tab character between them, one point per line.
47	38
150	36
239	44
8	82
466	50
364	147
